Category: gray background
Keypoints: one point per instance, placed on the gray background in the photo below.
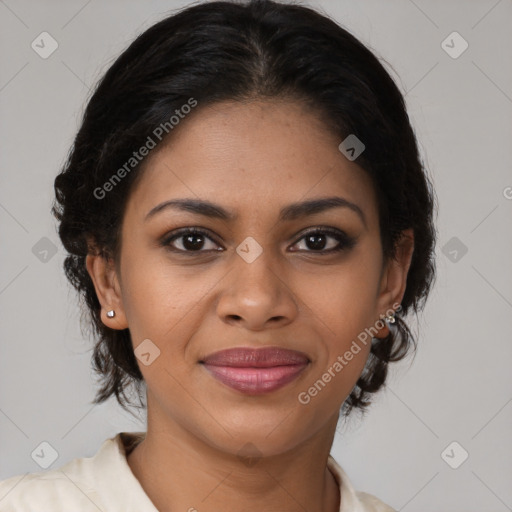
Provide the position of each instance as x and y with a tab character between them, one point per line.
459	386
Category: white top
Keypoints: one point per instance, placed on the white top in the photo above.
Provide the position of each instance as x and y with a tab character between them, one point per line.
105	483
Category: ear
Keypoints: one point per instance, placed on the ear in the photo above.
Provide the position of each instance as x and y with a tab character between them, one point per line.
108	290
394	276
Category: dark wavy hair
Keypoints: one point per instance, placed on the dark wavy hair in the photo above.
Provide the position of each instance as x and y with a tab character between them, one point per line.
227	50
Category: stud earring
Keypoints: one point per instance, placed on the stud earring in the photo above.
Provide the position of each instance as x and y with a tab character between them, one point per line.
111	313
390	318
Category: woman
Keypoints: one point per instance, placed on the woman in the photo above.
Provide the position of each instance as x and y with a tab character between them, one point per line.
248	222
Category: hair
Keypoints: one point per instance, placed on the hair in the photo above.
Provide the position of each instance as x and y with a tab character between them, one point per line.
227	50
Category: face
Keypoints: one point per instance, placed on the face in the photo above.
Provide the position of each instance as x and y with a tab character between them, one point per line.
253	280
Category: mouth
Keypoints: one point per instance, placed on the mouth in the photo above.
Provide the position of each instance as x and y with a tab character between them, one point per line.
256	371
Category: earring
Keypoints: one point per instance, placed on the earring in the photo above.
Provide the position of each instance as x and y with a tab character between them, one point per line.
111	313
390	318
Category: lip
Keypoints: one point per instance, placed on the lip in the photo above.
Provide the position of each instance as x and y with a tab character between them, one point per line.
256	371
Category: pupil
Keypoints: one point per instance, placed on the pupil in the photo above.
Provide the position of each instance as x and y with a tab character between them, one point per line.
320	245
189	244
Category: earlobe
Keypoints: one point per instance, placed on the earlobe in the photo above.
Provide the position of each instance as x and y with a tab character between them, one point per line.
106	284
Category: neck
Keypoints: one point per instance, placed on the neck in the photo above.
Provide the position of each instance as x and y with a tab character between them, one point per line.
179	471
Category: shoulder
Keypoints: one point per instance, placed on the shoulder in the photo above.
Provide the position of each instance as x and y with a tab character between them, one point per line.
54	490
89	484
70	486
350	499
373	504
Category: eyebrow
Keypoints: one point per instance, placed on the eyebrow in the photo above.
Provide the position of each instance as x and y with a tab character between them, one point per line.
291	212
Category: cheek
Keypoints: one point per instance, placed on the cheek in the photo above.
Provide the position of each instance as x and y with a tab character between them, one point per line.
342	315
342	307
151	296
343	300
163	301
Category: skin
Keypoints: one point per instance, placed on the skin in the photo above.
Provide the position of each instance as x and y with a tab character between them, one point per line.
251	158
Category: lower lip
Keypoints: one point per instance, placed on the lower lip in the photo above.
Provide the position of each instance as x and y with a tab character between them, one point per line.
256	381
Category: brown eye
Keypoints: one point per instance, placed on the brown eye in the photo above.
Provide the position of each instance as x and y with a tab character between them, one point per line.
317	240
191	240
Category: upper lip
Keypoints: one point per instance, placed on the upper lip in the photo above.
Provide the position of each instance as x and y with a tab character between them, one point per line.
245	357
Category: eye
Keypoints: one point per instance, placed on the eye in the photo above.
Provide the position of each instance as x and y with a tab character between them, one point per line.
191	240
196	240
317	240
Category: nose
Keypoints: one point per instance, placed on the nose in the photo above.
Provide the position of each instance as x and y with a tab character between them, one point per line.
257	294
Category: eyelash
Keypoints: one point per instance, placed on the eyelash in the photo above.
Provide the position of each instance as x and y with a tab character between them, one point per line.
345	242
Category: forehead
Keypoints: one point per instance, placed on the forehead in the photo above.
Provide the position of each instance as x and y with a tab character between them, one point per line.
254	156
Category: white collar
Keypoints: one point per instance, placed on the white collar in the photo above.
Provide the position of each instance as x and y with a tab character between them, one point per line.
111	460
